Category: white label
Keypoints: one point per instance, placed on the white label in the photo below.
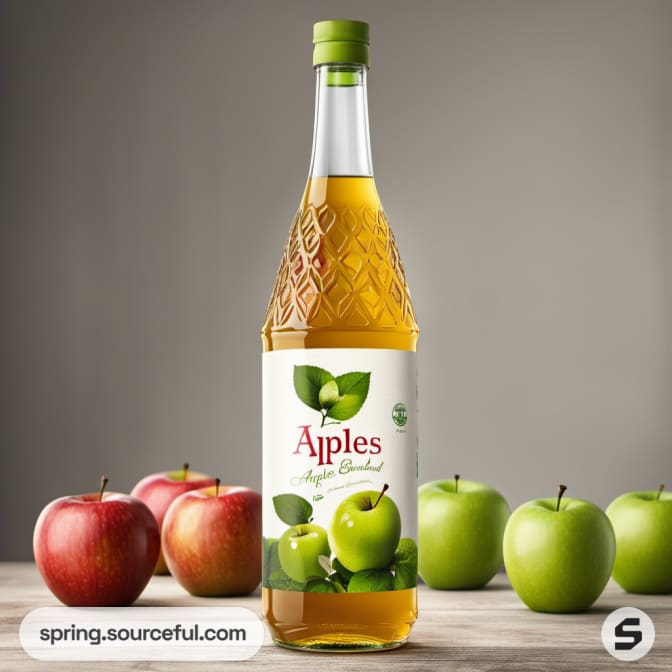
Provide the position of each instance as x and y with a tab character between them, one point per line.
340	469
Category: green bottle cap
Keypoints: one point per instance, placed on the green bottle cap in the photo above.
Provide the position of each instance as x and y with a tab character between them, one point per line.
341	42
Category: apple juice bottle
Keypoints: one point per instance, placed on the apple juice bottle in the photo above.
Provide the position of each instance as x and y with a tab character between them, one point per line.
339	391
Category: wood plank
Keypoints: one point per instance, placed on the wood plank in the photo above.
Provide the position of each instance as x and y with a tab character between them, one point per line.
471	631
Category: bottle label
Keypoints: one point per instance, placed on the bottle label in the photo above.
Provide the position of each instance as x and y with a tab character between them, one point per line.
340	470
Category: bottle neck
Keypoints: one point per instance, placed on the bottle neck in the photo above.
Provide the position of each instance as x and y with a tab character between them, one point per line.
341	144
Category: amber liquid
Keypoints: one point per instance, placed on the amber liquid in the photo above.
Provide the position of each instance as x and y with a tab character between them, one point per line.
340	285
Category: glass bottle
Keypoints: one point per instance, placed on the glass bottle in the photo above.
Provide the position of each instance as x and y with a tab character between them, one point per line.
339	391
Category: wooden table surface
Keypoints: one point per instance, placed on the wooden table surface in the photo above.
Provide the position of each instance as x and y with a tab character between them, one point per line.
488	629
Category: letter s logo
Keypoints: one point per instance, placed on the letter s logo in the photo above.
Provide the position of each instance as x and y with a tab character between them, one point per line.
635	636
628	633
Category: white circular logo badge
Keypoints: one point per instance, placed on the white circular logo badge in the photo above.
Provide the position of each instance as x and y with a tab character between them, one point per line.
628	633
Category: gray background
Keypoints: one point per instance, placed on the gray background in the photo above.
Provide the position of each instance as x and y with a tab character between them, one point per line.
152	155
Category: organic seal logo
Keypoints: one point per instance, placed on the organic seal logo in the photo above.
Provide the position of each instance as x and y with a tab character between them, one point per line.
399	415
338	398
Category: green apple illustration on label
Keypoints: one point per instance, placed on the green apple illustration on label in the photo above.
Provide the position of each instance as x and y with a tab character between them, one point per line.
362	552
300	550
303	550
365	530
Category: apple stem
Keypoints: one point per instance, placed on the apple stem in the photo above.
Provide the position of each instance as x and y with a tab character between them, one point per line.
380	496
457	480
185	469
217	482
561	492
103	483
661	487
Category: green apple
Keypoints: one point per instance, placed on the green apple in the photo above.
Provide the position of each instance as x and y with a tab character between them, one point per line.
299	551
559	553
643	526
365	530
460	529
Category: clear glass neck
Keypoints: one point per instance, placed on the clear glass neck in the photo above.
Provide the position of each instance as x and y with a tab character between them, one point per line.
341	144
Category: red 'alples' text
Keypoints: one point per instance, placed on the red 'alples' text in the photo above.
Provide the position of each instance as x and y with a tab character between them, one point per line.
323	447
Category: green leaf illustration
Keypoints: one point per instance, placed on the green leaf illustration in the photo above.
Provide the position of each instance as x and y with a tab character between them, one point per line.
341	570
292	509
353	388
267	545
370	581
273	575
274	560
405	565
404	578
407	552
285	583
356	382
308	381
319	586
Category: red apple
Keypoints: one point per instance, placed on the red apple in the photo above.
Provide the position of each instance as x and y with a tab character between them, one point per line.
211	540
96	550
159	490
